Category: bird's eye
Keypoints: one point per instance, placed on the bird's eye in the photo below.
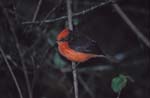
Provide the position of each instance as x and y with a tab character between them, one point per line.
64	39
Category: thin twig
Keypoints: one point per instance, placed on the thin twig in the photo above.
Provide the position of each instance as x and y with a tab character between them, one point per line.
51	11
75	80
12	61
90	69
69	14
74	72
35	73
118	95
37	10
131	24
85	86
11	72
38	40
73	15
24	66
15	10
11	26
43	32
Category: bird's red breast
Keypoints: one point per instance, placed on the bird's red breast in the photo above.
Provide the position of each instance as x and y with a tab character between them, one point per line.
69	53
73	55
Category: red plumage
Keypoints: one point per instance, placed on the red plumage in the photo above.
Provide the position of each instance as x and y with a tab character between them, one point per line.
76	47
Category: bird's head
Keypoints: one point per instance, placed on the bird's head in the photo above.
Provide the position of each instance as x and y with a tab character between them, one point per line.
62	36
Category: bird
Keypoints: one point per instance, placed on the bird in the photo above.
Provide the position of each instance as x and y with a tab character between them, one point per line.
77	47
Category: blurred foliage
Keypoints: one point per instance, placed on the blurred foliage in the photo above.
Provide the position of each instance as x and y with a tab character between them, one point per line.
59	63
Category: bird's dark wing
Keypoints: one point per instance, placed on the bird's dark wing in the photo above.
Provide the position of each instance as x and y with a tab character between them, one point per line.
82	43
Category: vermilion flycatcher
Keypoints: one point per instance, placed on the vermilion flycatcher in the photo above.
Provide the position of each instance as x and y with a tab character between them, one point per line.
77	47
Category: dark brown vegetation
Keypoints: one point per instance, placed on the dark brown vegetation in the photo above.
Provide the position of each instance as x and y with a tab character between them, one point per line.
28	29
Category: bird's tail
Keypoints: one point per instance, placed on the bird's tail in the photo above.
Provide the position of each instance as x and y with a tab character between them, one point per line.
108	57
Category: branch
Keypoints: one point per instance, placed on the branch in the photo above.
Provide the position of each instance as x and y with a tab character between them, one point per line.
69	13
74	72
39	39
86	87
89	69
11	26
11	72
51	11
75	80
130	24
37	10
24	66
73	15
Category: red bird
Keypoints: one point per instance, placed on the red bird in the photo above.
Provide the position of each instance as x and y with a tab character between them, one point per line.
77	47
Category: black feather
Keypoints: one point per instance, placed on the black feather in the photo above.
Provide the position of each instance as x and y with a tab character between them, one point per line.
83	43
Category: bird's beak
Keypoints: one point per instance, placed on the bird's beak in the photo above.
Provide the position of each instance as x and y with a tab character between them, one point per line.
62	40
57	41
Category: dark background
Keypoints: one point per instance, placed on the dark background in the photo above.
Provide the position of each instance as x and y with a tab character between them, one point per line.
50	74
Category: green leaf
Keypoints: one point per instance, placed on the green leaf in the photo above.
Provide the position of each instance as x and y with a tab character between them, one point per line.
52	37
76	21
118	83
58	61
